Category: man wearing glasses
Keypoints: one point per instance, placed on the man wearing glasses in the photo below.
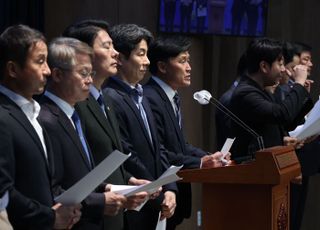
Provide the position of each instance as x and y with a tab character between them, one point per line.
71	77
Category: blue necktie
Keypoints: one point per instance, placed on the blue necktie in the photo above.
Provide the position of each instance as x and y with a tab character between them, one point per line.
77	123
176	100
137	94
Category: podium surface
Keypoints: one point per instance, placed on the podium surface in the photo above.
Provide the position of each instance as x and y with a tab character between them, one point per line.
251	196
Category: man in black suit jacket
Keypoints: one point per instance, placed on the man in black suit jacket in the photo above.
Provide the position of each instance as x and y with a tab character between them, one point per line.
258	109
169	63
137	127
26	154
70	63
96	112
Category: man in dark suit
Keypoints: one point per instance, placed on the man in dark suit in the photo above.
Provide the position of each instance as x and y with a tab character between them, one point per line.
26	154
223	121
169	63
137	127
5	179
96	112
71	76
258	109
295	54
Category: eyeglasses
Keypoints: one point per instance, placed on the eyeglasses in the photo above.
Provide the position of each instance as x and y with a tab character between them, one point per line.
85	74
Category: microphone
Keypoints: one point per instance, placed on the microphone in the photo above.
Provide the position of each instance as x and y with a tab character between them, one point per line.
204	97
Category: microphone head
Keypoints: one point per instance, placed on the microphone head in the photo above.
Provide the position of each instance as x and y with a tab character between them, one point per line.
203	97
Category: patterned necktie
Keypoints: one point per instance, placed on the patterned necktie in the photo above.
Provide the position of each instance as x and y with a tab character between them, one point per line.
176	100
137	94
76	120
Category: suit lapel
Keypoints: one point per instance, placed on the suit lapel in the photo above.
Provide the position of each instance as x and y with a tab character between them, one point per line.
136	112
113	122
170	111
98	114
121	91
66	125
22	119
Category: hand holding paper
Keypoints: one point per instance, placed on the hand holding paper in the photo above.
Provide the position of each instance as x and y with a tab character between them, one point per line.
167	177
226	150
80	190
113	203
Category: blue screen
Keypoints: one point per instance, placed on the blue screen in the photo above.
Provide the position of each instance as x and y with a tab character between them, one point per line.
224	17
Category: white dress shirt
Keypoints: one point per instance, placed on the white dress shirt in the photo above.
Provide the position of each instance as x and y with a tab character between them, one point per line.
31	109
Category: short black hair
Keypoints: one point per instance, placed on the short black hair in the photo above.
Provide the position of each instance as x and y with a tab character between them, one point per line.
86	30
302	47
126	36
15	43
289	51
165	47
262	49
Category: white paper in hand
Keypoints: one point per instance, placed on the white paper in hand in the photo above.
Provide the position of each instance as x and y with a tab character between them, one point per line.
80	190
226	148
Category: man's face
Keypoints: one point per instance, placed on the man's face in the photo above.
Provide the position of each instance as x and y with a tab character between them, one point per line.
135	67
76	82
178	70
32	78
306	59
105	56
275	73
289	72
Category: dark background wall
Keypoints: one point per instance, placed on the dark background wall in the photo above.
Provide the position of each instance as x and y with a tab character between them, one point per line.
214	58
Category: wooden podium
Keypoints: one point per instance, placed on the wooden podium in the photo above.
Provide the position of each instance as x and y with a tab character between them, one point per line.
252	196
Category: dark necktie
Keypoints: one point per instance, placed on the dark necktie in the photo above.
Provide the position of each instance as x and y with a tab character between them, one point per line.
101	104
76	120
176	100
137	94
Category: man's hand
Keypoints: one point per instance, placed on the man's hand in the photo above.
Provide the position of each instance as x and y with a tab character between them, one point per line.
300	74
136	200
135	181
168	205
211	161
307	85
293	141
66	216
113	203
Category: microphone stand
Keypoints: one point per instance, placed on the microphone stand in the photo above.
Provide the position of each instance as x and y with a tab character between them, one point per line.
237	120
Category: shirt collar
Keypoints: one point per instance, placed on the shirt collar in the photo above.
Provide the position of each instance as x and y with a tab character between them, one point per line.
30	108
62	104
166	88
124	84
95	92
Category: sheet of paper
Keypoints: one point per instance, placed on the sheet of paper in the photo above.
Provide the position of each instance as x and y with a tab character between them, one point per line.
227	146
80	190
167	177
162	224
311	126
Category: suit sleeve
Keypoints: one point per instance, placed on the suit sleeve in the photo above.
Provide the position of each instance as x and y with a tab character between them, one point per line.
264	111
